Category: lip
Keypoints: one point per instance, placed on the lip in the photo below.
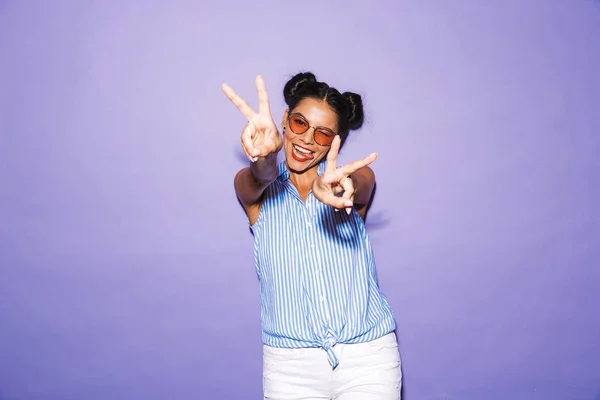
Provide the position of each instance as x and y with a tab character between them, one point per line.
299	156
302	147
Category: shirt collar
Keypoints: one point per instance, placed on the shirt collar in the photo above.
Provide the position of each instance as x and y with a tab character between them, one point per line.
284	174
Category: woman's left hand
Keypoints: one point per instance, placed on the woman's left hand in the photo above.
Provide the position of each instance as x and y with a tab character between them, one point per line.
335	187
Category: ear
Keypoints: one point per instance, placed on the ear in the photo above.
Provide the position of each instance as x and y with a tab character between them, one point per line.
285	117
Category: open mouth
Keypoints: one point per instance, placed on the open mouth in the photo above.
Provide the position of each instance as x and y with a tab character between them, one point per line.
301	154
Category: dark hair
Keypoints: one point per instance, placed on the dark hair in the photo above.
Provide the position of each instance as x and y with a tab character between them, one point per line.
348	106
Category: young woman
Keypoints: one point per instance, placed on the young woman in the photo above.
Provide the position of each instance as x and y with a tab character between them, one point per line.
328	330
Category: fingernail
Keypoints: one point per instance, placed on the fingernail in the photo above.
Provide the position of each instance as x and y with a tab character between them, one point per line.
348	211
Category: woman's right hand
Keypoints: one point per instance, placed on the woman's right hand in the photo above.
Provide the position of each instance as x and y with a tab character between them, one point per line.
260	136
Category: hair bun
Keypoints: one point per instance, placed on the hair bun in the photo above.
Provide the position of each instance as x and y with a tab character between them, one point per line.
296	83
356	117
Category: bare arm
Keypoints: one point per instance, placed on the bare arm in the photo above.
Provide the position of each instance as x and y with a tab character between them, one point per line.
251	182
364	183
261	141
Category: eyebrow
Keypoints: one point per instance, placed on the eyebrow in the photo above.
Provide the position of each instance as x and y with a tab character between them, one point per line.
300	114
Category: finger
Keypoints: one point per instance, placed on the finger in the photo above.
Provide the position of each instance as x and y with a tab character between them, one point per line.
247	136
240	103
348	208
263	99
354	166
332	155
247	154
252	159
348	186
338	190
262	151
336	202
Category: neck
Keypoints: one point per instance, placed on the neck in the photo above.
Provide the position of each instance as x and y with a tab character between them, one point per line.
304	180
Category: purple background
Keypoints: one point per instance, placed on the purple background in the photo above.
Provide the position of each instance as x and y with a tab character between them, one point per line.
126	262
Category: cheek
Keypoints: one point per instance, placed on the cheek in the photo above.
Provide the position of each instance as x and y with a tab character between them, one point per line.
320	155
286	139
288	136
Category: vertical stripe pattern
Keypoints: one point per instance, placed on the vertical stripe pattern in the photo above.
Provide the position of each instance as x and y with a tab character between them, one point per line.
317	273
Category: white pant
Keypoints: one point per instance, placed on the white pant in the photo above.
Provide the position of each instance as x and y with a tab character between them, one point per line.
366	371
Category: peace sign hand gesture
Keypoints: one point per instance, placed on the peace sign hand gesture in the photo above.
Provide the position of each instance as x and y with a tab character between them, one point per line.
260	136
335	187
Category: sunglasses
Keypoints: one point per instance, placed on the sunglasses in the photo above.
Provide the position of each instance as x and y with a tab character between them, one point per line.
299	125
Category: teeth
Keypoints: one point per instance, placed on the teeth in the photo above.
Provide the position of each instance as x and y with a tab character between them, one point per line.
302	150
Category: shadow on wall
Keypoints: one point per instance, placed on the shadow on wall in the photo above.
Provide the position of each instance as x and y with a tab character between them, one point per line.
377	220
240	155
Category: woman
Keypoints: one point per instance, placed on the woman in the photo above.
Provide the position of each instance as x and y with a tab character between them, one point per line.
328	331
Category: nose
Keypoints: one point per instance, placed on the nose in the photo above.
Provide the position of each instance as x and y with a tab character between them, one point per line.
308	137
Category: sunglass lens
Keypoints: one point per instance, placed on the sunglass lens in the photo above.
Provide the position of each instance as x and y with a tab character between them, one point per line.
323	137
298	125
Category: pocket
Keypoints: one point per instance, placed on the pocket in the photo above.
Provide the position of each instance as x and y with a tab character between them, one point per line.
387	342
275	359
279	353
386	351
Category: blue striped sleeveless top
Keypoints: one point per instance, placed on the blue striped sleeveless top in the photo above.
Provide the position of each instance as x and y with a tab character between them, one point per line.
318	283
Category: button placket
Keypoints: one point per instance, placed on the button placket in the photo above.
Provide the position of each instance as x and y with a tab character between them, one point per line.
311	238
308	214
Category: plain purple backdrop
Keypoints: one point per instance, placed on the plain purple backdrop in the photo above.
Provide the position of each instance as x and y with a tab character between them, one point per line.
126	262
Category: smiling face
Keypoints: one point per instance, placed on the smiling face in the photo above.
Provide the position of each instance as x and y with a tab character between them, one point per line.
302	152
